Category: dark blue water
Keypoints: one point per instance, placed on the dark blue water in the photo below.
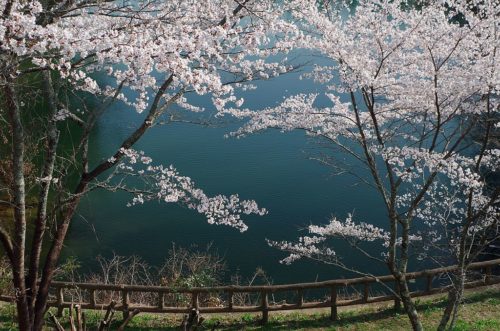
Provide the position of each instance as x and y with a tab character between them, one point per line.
272	168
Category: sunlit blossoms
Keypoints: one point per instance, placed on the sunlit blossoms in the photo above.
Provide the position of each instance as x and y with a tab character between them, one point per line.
413	89
315	245
64	63
167	185
159	52
414	99
202	45
407	88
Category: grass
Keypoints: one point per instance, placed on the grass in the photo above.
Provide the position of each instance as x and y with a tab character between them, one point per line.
480	312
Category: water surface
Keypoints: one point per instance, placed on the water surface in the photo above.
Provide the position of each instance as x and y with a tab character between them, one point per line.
272	168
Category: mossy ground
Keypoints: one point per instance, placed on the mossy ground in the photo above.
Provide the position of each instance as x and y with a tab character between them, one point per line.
481	312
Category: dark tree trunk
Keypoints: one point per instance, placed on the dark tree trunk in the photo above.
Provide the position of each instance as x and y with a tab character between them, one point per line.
41	218
53	258
19	194
455	296
409	306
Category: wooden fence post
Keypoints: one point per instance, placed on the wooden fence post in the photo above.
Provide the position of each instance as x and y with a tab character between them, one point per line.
265	307
60	301
161	299
92	292
195	303
92	298
125	304
428	287
333	304
366	292
230	299
300	297
488	275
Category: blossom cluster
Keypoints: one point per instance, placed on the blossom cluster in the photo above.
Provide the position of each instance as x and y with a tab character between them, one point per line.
166	184
143	43
406	85
316	245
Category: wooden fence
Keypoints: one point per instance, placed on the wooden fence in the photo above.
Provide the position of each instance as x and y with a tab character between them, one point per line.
363	284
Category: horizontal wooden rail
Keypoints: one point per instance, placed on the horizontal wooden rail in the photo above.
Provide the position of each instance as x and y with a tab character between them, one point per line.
270	288
264	305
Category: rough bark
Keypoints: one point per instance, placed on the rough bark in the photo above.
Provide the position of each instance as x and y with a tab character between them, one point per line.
397	268
409	306
19	202
469	247
70	208
41	218
404	291
53	258
455	296
32	297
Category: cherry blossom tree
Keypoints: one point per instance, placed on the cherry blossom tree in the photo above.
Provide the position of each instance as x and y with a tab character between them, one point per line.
76	58
413	96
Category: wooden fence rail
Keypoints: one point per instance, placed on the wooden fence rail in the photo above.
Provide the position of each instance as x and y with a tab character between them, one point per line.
265	306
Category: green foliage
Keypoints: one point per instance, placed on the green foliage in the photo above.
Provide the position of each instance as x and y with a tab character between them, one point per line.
481	325
247	318
201	278
5	276
69	269
191	268
7	318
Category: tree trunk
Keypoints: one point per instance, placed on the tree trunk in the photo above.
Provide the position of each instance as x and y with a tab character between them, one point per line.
409	306
459	295
19	194
53	258
455	296
41	219
400	275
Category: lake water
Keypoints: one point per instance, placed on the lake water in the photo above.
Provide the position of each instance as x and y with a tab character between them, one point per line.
272	168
